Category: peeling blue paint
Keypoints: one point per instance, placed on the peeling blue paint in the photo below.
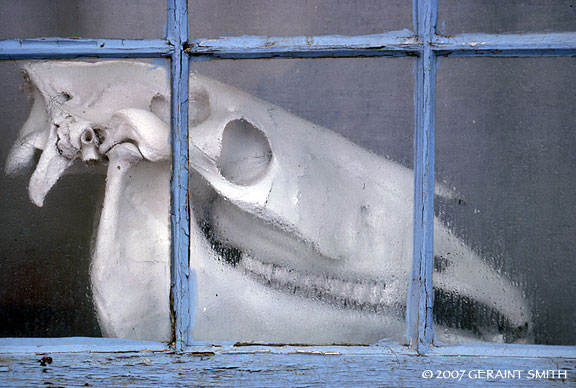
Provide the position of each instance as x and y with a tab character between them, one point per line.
506	45
182	280
76	344
47	48
419	308
394	43
279	366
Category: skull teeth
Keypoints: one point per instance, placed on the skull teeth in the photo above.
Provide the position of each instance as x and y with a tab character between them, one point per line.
365	295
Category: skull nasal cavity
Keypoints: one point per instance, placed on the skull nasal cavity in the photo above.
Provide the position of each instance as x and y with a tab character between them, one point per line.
245	153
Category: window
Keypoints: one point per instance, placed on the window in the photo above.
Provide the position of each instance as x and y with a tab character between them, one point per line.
449	88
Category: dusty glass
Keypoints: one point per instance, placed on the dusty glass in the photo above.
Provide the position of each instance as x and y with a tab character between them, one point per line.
211	19
135	19
510	16
505	148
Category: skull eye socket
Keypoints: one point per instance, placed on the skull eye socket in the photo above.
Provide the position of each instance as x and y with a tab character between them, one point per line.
245	153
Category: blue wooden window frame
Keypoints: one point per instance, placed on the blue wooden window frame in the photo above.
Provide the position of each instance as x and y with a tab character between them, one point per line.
426	46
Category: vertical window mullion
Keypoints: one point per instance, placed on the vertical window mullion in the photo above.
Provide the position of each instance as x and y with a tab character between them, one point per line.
182	281
420	296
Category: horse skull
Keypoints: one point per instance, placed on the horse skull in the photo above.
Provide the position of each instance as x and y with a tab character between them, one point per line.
299	235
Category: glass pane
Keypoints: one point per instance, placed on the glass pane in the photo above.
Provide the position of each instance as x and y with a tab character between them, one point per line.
496	16
302	234
505	148
85	200
214	18
135	19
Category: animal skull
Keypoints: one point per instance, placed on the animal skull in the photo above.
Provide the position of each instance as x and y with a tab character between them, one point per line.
298	235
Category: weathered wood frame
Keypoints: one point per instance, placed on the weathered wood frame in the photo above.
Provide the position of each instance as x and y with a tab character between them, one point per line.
180	363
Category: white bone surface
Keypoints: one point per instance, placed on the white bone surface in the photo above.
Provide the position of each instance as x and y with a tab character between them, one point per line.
302	207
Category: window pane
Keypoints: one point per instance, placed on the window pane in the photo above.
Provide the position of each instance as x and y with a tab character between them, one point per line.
135	19
496	16
301	234
85	200
505	147
214	18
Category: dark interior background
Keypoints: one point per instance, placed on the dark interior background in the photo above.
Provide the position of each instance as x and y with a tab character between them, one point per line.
44	252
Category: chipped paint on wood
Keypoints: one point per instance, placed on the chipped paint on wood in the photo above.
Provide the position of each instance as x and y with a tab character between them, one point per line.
419	307
76	344
44	48
395	43
506	45
273	369
182	278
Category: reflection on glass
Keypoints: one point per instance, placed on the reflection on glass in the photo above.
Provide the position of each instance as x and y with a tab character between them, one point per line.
510	16
135	19
505	144
215	18
109	118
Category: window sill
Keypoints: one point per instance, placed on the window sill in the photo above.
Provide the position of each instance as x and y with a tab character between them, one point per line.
109	362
